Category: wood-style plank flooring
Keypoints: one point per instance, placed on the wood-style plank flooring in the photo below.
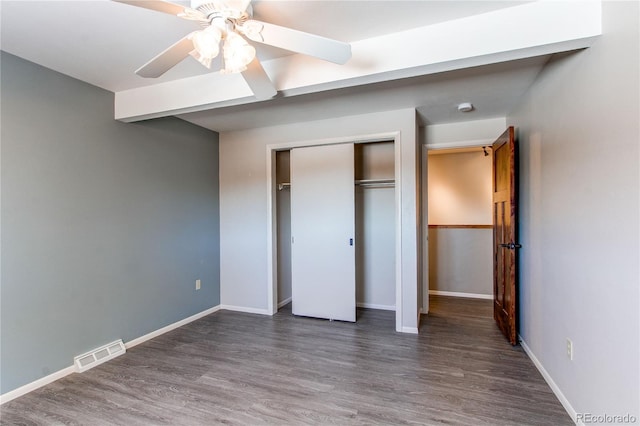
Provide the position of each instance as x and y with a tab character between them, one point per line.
237	368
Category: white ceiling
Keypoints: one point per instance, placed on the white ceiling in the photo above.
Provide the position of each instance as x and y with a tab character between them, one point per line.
103	43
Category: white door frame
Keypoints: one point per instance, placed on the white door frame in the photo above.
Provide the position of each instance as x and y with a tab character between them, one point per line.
272	237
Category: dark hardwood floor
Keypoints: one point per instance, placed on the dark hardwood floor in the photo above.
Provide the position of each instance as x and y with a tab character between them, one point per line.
236	368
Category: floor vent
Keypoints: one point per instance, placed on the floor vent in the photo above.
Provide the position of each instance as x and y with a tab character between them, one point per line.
99	355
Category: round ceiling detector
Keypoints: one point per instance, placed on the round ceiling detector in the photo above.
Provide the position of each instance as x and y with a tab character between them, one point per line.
465	107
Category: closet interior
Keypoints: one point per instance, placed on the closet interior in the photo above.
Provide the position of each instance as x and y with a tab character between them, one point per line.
374	225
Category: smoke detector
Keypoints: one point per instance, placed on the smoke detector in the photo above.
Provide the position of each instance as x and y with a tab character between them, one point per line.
465	107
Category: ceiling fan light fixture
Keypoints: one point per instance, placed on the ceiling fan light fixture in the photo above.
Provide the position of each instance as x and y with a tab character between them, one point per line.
227	25
206	44
237	54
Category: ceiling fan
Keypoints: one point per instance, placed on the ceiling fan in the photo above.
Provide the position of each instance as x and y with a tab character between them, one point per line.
226	26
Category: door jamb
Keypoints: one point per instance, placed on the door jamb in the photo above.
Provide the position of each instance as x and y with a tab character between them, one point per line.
435	147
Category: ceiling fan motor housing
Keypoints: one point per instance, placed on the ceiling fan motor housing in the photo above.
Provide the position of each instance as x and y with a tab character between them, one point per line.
237	10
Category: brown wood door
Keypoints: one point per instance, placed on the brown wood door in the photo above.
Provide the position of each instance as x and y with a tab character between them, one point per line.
505	243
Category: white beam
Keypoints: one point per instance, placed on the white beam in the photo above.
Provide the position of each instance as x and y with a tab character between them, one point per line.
512	33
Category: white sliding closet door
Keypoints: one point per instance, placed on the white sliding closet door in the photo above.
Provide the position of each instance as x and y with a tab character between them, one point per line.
322	230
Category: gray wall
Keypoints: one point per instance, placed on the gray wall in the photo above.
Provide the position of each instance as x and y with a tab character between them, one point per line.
105	225
578	130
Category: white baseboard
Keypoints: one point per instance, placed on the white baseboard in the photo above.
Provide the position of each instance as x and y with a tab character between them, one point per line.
246	309
547	377
411	330
374	306
284	302
29	387
460	294
166	329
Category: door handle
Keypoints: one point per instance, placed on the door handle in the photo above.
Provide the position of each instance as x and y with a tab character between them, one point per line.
511	245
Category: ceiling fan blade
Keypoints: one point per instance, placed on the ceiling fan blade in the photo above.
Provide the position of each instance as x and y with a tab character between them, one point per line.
157	5
167	59
258	80
297	41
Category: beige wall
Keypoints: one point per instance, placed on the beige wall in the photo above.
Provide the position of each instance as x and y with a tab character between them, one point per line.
459	186
579	155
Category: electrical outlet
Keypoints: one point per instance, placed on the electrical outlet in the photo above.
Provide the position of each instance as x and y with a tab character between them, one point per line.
570	349
198	284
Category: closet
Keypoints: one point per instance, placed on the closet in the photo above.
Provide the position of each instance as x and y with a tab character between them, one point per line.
323	277
336	229
375	225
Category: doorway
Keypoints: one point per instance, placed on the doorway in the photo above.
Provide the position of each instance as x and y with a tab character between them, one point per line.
460	222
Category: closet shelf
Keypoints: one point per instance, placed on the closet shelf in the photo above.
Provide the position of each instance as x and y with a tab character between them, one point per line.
284	185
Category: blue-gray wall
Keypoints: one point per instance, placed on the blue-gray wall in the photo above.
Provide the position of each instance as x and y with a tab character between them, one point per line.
105	225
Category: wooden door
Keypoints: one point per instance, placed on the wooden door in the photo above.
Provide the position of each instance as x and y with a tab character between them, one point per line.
323	274
505	226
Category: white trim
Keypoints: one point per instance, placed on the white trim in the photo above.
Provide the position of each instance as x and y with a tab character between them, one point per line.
397	165
375	306
130	344
272	266
29	387
284	302
460	144
424	224
246	309
547	377
461	294
272	237
411	330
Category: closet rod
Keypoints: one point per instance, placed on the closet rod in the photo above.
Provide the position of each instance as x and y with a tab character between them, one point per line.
376	183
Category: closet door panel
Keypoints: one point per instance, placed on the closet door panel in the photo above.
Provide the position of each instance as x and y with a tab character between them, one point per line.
322	229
